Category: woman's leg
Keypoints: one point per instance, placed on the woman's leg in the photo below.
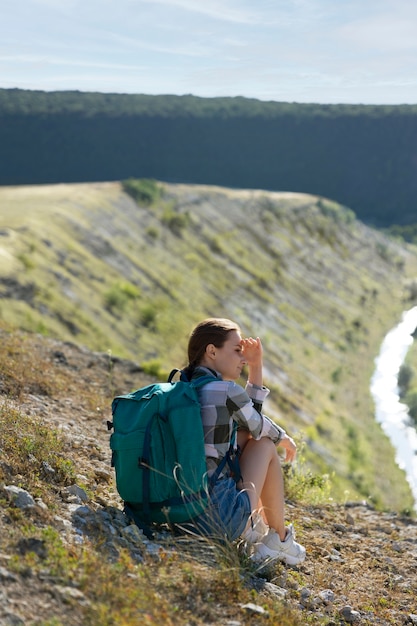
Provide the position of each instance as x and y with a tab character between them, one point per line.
262	478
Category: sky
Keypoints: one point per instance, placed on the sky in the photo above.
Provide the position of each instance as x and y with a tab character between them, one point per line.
323	51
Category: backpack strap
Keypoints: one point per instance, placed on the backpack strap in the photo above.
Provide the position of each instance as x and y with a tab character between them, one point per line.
231	457
143	463
173	373
195	382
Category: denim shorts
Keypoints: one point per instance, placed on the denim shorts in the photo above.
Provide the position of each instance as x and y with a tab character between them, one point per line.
227	513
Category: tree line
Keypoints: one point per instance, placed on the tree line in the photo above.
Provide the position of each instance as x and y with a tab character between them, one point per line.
362	156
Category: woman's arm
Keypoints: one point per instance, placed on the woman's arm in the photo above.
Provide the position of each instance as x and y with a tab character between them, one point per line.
252	351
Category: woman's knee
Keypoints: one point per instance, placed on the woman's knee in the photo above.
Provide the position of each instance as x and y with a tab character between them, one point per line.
264	446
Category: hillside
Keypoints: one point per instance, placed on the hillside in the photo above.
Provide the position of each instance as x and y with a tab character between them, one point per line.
68	557
85	263
361	156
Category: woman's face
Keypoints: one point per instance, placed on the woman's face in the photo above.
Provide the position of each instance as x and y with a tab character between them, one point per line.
228	360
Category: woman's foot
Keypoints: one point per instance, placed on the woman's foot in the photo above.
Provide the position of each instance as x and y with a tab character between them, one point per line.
256	530
271	547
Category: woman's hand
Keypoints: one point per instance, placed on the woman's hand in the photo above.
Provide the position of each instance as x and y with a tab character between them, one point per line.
252	351
290	448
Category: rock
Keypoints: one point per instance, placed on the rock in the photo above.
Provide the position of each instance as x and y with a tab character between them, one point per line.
6	576
274	590
254	608
48	469
41	504
339	528
70	593
31	544
133	533
306	599
398	547
327	596
350	615
103	474
75	490
349	519
20	498
335	556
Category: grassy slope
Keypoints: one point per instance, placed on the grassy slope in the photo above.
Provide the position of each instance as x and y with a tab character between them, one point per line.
85	263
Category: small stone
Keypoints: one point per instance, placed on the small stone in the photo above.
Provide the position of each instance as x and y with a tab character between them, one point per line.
306	599
82	511
75	490
103	474
153	549
350	615
70	593
254	608
276	591
339	528
133	533
48	469
327	596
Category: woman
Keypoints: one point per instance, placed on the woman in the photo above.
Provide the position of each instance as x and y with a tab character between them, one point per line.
251	505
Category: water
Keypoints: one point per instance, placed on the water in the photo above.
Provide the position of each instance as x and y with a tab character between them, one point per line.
389	411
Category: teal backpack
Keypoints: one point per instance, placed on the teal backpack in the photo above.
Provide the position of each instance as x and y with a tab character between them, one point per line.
158	452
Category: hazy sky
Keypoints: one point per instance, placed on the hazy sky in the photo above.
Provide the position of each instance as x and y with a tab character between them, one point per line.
327	51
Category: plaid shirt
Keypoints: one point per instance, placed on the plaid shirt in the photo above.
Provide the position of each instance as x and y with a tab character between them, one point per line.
224	402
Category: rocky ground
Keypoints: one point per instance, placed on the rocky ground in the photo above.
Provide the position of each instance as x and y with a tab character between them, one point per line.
361	565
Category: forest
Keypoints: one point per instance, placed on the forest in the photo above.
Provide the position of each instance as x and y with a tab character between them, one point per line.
362	156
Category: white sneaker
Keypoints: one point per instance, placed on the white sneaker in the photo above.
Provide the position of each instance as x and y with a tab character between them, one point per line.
257	530
271	547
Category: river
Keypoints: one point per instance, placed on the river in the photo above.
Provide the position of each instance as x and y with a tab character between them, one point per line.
389	411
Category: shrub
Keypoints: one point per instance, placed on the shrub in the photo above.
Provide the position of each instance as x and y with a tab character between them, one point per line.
152	232
148	316
405	376
337	212
26	261
411	402
119	294
176	222
155	368
301	484
144	190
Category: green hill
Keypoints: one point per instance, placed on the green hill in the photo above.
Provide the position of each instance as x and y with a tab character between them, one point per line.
361	156
88	264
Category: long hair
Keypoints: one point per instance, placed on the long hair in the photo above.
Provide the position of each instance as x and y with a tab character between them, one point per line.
213	330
